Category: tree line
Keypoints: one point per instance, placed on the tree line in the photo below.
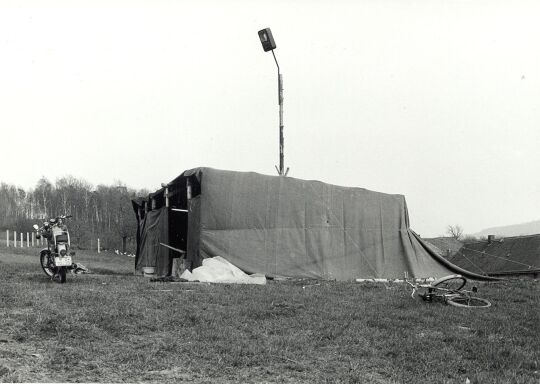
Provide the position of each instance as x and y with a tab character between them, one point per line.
103	212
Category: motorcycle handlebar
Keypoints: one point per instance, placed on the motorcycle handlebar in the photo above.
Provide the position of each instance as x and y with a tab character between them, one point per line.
63	217
54	221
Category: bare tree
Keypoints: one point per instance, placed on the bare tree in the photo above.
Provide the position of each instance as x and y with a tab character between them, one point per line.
455	231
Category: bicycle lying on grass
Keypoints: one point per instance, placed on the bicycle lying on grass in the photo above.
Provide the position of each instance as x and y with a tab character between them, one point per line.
449	290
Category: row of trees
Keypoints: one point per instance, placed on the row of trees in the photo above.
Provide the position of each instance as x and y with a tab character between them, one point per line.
103	212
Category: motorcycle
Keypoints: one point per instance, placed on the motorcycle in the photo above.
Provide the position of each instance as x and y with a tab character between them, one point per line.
56	259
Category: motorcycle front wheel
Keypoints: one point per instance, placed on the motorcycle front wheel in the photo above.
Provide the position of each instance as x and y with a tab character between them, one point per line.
44	260
60	276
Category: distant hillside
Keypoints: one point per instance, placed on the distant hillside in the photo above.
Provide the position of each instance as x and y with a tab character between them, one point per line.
530	228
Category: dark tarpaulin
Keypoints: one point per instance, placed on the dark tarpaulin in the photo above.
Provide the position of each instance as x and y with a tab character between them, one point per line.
504	256
282	226
153	230
137	204
194	225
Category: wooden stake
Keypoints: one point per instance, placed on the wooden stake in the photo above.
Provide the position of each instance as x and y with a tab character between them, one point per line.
174	249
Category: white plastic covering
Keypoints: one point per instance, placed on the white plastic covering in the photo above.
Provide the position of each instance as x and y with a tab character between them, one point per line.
219	270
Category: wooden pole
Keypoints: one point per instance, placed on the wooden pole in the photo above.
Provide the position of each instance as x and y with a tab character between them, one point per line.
281	170
98	246
281	139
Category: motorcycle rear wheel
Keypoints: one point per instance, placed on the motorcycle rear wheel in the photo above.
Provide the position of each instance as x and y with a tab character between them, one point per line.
44	260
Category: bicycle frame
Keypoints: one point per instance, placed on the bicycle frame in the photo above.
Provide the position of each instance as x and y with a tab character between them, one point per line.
456	297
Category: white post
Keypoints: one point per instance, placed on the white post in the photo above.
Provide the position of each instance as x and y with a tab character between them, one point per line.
7	238
27	240
98	248
15	239
22	240
33	238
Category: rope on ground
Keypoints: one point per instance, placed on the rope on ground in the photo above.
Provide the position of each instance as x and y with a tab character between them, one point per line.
470	261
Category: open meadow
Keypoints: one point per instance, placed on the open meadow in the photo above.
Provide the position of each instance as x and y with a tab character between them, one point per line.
112	326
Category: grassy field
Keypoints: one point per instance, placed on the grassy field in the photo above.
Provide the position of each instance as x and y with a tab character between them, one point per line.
111	326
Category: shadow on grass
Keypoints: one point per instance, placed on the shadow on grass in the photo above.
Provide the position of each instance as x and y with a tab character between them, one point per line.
39	278
105	271
42	279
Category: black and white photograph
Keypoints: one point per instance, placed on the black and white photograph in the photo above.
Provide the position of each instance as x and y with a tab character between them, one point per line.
303	191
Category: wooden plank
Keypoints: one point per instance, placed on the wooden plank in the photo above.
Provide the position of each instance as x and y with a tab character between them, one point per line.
174	249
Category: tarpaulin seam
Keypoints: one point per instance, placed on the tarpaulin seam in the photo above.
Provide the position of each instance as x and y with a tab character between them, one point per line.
266	213
381	224
305	227
350	238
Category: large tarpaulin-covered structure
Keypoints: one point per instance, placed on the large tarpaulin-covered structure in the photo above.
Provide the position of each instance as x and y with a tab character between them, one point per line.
282	226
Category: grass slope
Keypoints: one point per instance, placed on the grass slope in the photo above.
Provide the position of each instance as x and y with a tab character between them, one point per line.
111	326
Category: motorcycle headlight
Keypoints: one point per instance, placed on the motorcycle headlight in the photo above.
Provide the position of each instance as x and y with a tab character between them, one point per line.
63	252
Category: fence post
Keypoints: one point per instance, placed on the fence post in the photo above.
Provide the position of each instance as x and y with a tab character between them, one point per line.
7	238
15	239
22	241
27	240
33	238
98	248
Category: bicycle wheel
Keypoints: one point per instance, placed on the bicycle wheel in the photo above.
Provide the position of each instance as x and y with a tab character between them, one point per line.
452	282
467	302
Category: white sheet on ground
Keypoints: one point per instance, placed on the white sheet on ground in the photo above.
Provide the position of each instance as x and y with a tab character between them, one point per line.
219	270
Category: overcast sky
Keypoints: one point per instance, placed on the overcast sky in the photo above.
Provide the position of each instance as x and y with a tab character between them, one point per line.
435	100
